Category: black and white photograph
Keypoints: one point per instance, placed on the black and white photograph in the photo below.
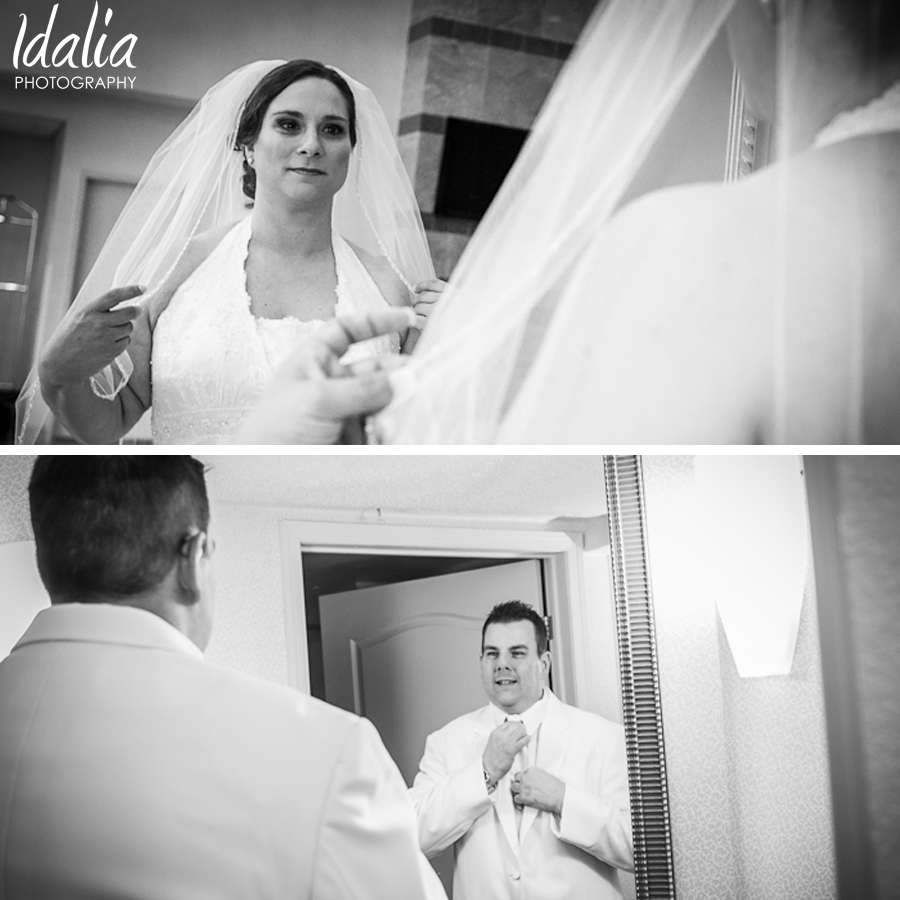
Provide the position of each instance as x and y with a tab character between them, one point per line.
445	222
472	677
534	363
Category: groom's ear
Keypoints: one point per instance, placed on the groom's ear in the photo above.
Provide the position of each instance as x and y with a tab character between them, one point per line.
546	661
189	565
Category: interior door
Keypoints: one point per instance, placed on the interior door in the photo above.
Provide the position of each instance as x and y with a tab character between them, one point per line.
406	655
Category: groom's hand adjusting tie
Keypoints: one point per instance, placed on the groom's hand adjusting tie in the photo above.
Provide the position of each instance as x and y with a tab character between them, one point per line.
504	743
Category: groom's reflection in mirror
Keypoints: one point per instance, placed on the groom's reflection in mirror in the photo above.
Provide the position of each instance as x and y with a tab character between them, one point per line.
525	789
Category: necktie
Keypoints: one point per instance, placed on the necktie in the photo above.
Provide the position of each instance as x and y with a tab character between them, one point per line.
519	765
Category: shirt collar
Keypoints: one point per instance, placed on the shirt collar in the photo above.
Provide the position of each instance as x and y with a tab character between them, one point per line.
531	717
107	623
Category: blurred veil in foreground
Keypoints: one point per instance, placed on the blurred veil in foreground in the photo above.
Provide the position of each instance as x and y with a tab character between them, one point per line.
628	71
759	311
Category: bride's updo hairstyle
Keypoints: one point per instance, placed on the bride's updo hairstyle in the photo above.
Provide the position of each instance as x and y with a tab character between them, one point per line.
267	90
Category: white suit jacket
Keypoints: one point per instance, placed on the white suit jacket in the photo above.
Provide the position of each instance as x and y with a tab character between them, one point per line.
574	855
131	767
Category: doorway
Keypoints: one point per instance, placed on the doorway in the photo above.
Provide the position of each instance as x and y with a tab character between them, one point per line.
404	652
559	553
328	573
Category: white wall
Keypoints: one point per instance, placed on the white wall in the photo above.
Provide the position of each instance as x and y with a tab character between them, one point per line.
20	597
692	146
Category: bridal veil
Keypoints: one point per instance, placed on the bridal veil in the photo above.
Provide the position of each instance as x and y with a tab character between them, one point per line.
628	71
509	357
193	183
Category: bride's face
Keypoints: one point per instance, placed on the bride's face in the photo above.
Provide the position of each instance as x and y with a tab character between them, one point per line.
303	148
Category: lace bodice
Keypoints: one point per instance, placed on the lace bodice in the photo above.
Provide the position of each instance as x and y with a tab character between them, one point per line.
212	356
876	117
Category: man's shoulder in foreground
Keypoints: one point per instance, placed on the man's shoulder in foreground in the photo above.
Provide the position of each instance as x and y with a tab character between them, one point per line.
261	696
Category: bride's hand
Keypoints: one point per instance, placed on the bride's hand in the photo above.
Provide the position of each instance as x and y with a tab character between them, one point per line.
427	294
91	340
313	399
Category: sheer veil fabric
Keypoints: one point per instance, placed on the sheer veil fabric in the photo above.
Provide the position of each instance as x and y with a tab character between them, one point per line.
476	374
529	335
193	183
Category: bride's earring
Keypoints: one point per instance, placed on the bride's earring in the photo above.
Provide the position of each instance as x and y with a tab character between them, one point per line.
249	158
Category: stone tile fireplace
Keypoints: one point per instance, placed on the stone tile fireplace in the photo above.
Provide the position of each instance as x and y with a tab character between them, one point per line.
488	62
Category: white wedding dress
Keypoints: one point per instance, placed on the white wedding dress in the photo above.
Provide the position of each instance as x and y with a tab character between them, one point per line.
211	356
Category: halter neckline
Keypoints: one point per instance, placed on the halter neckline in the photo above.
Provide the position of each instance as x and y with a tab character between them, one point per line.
877	117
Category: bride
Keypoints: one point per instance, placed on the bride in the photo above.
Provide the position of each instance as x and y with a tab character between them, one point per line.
333	231
759	311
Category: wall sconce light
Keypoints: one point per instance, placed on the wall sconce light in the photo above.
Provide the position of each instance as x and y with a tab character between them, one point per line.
755	527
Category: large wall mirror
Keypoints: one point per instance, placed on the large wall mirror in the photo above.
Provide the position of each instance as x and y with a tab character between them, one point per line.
777	774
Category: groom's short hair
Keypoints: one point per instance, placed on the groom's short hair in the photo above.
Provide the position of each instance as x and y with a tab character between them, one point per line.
517	611
111	527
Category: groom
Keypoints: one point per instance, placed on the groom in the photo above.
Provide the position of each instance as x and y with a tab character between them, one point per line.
129	766
531	793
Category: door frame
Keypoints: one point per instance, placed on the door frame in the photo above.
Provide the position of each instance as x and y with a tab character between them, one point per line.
560	553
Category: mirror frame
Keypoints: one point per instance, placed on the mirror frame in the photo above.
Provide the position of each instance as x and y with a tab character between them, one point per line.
654	865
